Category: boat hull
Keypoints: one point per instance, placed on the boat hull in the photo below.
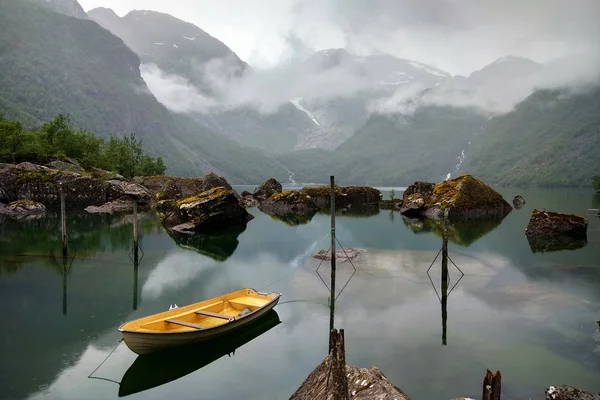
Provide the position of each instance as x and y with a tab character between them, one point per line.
151	342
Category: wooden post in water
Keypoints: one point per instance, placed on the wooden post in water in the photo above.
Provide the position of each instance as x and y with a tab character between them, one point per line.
63	224
444	281
491	386
332	309
65	274
136	260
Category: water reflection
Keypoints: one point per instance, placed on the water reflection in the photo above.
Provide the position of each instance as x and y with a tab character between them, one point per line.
555	243
463	233
294	219
218	245
154	370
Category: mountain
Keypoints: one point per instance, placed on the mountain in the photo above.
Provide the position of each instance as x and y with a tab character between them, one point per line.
52	63
376	77
552	138
67	7
184	50
394	150
505	69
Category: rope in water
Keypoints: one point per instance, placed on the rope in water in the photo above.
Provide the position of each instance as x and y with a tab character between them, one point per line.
102	363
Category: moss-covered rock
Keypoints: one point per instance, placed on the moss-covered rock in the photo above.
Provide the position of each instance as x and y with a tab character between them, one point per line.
212	209
289	202
112	207
170	187
464	197
423	188
345	197
267	189
551	231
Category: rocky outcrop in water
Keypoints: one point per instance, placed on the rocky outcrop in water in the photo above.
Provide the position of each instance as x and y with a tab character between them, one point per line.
212	209
551	231
345	196
422	188
464	197
112	207
267	189
519	201
23	209
289	202
395	204
564	392
170	187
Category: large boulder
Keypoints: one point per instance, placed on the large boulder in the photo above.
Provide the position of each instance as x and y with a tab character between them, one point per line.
23	209
267	189
66	165
345	197
548	231
129	190
212	209
170	187
423	188
464	197
289	202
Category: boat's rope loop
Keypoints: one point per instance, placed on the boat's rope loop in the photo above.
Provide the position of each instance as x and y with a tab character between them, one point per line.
102	363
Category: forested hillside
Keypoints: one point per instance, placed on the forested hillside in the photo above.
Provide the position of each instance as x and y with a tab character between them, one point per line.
55	64
550	139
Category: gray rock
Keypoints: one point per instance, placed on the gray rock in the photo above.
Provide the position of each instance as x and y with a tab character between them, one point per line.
564	392
423	188
289	202
23	209
267	189
61	165
519	201
112	207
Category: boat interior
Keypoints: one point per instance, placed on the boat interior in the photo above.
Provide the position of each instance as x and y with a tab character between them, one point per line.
205	314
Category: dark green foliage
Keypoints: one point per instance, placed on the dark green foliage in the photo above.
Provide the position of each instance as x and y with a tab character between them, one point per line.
53	64
390	150
550	139
596	182
59	139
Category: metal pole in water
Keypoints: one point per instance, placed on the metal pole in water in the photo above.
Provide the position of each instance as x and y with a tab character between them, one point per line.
444	281
136	260
63	223
332	310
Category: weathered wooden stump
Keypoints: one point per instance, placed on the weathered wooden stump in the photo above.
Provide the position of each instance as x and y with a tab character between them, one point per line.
492	385
334	380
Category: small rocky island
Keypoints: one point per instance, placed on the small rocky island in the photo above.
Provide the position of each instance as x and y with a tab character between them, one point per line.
551	231
461	198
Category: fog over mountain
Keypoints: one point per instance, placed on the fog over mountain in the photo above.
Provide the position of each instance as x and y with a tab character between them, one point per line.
458	37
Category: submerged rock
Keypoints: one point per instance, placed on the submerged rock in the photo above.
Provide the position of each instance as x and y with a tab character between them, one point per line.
212	209
464	197
347	254
289	202
519	201
551	231
23	209
267	189
112	207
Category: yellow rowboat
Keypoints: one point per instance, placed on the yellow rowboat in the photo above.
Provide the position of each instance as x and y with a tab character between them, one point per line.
194	323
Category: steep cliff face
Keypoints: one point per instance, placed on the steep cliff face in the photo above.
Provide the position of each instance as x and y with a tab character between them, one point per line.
67	7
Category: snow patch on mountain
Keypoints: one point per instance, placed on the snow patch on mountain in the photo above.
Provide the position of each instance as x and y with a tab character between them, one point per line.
296	103
189	38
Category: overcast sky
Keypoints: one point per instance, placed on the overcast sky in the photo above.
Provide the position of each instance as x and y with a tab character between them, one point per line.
458	36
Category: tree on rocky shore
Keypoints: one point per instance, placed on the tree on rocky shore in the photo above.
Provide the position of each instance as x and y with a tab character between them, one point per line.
58	138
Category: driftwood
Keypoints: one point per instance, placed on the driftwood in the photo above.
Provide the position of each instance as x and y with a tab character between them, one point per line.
564	392
334	380
492	385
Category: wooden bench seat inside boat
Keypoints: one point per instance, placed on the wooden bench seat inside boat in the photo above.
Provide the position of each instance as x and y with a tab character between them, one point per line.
214	315
252	303
184	323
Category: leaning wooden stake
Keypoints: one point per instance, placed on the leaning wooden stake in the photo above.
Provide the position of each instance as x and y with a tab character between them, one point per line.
136	261
491	385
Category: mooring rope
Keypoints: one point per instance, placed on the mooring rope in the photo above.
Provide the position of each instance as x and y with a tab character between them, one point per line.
102	363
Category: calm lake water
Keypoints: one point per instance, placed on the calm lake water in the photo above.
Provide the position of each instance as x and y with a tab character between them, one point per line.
530	315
